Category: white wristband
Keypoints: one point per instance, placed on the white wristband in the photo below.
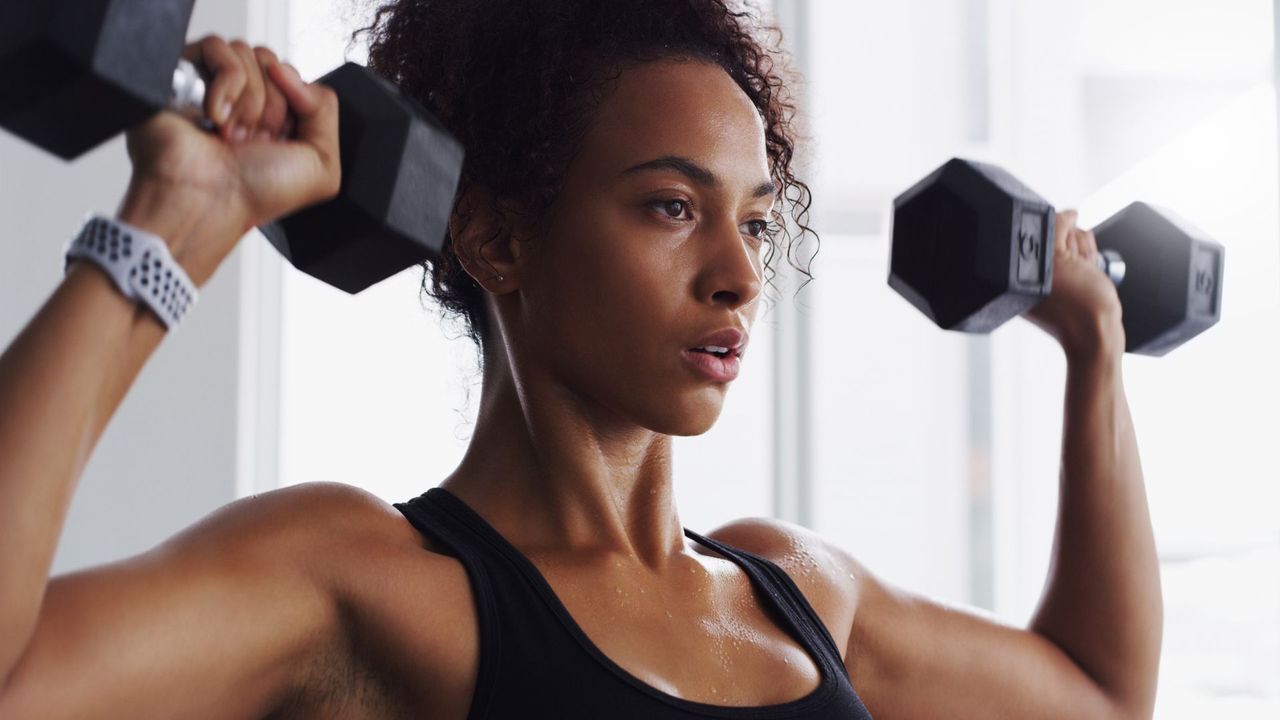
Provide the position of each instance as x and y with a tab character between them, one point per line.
139	263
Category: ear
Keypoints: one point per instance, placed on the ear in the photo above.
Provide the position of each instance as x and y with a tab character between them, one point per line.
485	238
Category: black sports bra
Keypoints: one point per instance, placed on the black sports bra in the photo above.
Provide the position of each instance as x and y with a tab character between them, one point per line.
536	662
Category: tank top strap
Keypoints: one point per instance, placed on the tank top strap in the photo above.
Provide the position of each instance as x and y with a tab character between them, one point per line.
433	520
785	595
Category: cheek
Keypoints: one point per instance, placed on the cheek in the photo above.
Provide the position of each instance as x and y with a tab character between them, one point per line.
607	288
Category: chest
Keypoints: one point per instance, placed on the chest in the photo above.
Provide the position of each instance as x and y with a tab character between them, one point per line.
699	632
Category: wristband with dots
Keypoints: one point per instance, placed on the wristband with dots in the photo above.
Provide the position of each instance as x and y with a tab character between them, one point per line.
139	263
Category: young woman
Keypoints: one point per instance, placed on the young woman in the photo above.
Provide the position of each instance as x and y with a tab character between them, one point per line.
608	249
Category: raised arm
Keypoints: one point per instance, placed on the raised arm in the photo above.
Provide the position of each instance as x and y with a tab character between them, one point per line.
1092	647
65	374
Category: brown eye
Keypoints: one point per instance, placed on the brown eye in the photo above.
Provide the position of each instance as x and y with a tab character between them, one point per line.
760	227
679	205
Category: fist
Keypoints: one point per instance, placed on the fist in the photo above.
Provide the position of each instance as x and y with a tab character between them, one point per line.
275	150
1083	310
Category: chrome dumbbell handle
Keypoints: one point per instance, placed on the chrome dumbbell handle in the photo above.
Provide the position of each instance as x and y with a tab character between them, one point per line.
1110	263
187	98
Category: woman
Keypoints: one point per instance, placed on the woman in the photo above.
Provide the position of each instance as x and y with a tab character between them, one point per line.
608	252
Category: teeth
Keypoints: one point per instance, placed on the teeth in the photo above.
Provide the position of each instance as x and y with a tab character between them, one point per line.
714	349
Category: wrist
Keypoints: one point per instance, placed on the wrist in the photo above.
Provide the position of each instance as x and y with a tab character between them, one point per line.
192	222
1100	341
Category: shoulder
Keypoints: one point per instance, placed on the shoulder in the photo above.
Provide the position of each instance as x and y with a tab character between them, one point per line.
313	506
792	547
293	524
827	575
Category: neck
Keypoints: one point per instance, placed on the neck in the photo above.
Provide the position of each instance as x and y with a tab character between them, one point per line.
552	471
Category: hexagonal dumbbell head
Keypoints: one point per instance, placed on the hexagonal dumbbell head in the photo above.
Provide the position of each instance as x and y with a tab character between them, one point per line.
969	246
400	171
1172	290
74	73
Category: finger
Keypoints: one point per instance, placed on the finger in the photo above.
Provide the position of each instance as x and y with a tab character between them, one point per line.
1066	221
248	110
1088	242
287	128
275	107
1073	248
214	56
314	111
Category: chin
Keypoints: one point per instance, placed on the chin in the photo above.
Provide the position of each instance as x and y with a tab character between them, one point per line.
692	417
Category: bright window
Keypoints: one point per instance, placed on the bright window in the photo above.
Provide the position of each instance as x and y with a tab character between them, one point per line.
937	454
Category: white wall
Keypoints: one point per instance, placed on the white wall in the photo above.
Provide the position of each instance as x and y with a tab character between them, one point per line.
169	456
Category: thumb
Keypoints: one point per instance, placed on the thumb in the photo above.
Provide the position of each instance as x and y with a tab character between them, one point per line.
315	110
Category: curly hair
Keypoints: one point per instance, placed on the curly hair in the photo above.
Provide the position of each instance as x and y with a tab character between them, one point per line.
517	81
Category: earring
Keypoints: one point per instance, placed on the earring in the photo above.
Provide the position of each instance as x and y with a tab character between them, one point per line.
500	278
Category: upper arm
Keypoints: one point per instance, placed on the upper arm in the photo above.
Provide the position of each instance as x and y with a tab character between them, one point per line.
912	657
220	621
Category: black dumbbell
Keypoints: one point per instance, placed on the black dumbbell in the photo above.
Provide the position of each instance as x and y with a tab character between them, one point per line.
972	248
74	73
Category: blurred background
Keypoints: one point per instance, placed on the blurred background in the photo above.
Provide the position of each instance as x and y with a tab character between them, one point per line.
931	456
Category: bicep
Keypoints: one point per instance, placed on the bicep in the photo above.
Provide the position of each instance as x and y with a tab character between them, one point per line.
911	657
214	623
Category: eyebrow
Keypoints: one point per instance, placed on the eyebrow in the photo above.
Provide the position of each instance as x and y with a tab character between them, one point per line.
694	172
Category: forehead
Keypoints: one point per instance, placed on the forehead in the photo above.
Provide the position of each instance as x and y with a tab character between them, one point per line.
687	108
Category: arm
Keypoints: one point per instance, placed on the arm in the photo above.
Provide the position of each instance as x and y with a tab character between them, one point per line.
60	382
1092	647
65	374
230	618
1090	650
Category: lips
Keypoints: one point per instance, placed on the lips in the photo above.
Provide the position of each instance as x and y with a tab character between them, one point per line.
722	365
732	339
712	367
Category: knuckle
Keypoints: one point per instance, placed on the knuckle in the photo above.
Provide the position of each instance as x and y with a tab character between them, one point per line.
241	47
265	54
235	78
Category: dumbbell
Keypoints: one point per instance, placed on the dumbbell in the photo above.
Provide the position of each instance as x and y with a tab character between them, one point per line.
972	247
74	73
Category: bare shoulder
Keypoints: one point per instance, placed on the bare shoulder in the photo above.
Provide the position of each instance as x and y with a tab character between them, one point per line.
240	612
827	575
327	535
371	564
298	520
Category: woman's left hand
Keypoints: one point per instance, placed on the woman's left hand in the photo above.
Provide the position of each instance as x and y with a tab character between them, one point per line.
1083	309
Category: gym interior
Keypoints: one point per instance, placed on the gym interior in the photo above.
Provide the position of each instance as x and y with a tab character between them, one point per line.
932	454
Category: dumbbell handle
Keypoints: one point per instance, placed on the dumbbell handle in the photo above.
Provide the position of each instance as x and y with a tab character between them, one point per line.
187	98
1112	264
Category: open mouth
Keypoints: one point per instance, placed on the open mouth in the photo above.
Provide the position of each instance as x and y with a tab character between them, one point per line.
713	350
718	364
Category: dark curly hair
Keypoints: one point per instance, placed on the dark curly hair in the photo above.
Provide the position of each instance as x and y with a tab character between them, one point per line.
517	81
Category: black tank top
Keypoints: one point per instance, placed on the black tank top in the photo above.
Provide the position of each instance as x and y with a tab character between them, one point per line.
535	662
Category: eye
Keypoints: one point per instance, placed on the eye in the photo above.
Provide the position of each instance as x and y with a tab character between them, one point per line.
760	227
678	204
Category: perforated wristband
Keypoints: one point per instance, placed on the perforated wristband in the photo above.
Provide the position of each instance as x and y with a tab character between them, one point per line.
139	263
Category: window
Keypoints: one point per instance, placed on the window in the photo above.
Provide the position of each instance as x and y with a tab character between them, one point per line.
936	454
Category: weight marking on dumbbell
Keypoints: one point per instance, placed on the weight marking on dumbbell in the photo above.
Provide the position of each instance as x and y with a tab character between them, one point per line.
1028	245
960	286
1204	282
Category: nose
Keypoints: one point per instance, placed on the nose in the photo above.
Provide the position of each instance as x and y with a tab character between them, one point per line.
731	267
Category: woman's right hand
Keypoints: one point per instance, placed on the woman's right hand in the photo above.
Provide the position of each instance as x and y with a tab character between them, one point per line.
275	151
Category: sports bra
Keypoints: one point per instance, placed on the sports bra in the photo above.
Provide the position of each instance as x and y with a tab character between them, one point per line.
536	662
